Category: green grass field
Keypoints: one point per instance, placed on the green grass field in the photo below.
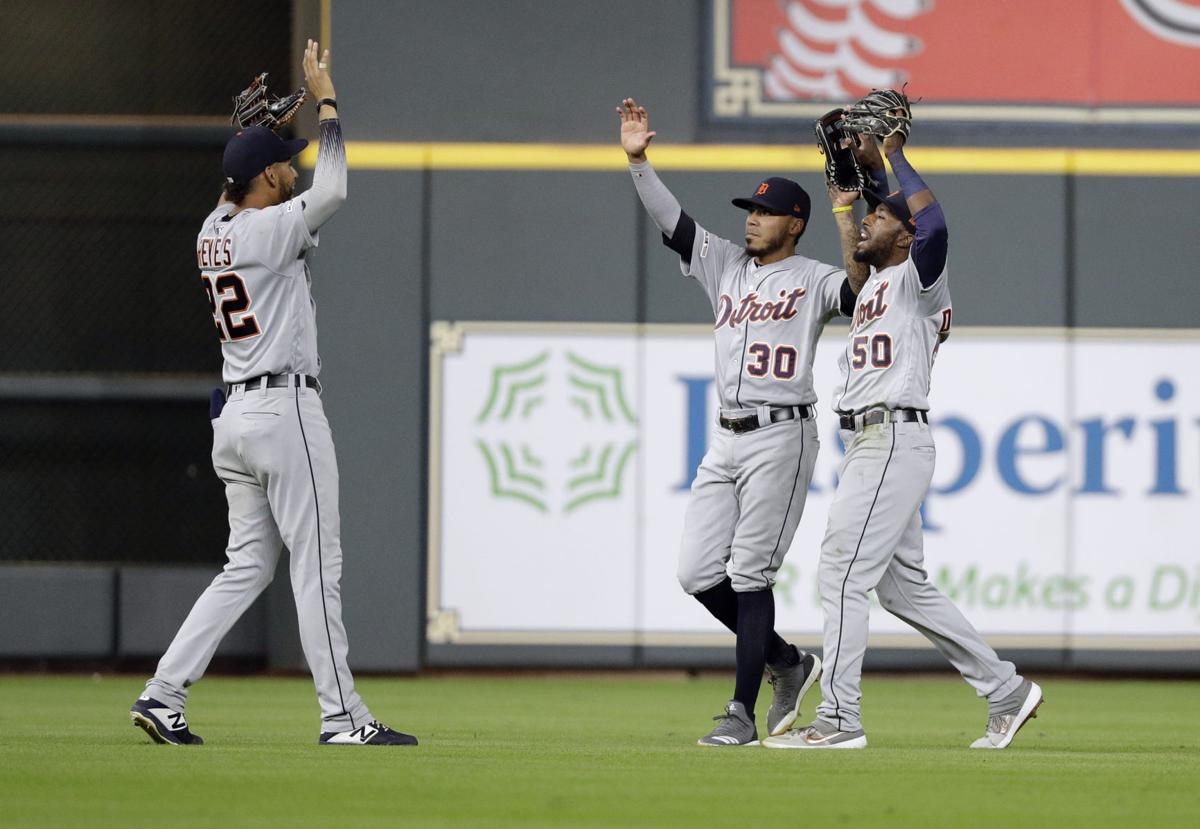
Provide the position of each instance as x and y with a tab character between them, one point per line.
603	750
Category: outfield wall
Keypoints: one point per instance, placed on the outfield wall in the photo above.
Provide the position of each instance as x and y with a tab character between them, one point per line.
1055	226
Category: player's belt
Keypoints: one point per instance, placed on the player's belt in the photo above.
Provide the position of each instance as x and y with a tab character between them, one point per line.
273	381
750	422
876	417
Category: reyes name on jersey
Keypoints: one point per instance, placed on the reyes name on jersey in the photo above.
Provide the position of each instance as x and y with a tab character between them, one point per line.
253	265
897	327
766	321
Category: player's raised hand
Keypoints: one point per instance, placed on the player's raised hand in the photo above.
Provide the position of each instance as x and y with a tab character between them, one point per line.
635	130
866	151
897	139
316	72
840	198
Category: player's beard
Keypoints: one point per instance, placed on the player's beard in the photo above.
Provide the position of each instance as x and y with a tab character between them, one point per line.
766	247
286	190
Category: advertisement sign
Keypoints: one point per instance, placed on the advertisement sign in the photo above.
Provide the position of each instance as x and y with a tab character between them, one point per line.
562	455
1083	61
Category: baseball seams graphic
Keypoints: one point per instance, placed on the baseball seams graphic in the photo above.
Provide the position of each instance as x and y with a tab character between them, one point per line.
849	55
784	59
1175	20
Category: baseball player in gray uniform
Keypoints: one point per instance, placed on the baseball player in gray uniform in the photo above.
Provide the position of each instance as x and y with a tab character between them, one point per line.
769	307
873	540
272	446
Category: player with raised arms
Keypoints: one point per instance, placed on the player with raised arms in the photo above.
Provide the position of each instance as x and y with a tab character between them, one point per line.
769	307
272	447
873	540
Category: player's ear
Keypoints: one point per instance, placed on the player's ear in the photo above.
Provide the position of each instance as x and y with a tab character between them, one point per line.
797	228
904	240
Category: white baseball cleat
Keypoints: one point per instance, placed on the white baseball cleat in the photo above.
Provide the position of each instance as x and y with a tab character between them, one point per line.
1001	728
818	734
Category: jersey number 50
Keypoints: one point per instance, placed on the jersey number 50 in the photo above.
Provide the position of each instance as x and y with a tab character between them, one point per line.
229	302
879	351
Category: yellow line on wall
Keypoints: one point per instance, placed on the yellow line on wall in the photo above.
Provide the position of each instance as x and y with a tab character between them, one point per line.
384	155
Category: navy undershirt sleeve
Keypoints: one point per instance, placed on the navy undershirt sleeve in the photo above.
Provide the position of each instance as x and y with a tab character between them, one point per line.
849	299
930	244
878	180
683	238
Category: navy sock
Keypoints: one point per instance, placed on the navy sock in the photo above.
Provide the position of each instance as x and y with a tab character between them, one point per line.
722	602
756	620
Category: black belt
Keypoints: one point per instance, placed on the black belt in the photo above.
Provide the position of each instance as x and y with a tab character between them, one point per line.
274	381
877	416
749	423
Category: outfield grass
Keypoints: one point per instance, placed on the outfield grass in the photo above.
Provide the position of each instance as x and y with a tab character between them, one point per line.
592	751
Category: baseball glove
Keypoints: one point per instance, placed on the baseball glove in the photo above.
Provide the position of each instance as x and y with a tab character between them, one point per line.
841	168
881	113
254	106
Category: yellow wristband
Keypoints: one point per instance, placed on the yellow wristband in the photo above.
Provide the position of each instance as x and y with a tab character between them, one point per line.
842	209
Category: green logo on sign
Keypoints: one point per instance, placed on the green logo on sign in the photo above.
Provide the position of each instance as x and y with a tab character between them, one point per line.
534	407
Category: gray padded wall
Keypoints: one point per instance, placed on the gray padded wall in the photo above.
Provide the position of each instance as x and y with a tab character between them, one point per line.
522	70
411	246
367	285
532	246
549	245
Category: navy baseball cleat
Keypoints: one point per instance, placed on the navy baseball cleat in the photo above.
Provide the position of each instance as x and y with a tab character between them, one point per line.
163	724
373	733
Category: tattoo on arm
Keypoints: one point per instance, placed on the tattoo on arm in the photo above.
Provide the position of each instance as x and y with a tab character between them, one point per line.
856	272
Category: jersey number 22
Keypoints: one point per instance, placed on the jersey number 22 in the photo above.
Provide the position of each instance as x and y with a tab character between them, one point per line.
229	302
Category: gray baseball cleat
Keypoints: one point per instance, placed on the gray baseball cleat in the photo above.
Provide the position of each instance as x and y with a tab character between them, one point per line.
734	728
1001	728
789	685
818	734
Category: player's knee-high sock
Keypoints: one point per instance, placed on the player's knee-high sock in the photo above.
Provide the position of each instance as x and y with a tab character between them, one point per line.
722	602
756	619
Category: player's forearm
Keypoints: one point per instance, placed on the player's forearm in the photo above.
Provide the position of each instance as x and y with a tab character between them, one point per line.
916	192
856	272
659	202
328	190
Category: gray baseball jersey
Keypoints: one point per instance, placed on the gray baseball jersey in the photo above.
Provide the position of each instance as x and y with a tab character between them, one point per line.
893	340
750	489
767	320
272	446
254	268
873	540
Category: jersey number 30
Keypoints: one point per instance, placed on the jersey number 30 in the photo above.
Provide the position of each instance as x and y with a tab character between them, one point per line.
229	302
782	365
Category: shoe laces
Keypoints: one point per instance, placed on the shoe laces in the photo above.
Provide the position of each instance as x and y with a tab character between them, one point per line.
1000	723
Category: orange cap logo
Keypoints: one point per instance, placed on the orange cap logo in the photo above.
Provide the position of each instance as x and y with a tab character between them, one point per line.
762	188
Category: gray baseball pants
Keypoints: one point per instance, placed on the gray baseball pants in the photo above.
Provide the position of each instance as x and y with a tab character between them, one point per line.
274	452
874	541
745	505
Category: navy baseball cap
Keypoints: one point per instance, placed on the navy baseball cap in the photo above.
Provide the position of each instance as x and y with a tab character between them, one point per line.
895	202
254	149
781	196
